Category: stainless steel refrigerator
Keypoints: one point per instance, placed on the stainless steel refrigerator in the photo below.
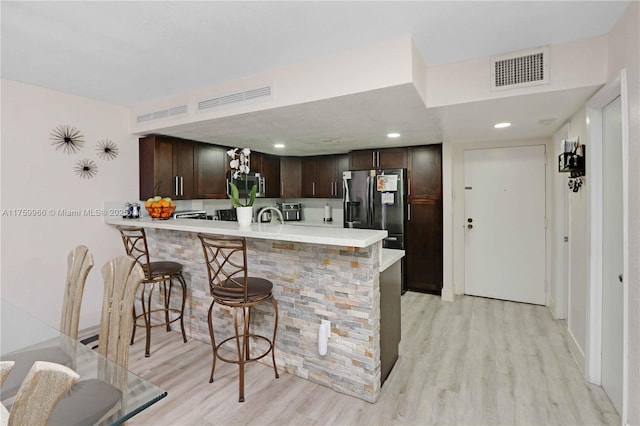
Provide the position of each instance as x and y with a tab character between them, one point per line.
376	199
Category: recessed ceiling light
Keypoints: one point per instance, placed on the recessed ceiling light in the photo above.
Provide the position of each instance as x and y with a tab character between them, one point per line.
393	135
278	145
501	125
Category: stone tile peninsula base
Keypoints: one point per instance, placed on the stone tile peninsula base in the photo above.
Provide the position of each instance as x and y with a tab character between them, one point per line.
312	282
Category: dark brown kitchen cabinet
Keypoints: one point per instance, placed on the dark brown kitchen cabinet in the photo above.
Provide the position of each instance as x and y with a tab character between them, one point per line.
386	158
425	172
166	167
322	176
424	246
210	171
291	177
269	168
424	213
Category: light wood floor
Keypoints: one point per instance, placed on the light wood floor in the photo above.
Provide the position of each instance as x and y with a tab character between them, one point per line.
475	361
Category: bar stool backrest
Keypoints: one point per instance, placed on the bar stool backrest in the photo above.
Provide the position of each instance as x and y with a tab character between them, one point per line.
226	260
135	244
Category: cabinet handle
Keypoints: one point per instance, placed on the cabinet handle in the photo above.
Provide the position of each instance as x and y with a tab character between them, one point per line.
409	185
181	186
281	188
373	158
175	192
408	211
313	188
378	159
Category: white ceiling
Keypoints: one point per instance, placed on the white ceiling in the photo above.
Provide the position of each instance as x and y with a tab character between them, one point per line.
130	53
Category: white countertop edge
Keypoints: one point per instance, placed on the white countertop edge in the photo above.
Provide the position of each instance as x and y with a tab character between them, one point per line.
389	257
302	234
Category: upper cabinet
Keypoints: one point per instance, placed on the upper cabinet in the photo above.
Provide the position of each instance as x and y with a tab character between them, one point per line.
291	177
269	168
387	158
166	167
210	171
425	172
322	175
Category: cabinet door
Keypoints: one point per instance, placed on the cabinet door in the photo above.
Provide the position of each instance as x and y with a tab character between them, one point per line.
211	179
290	177
424	246
325	176
362	160
184	169
342	164
425	172
270	170
166	167
392	158
308	176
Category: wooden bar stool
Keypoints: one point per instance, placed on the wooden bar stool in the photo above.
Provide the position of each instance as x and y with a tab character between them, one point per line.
159	272
226	260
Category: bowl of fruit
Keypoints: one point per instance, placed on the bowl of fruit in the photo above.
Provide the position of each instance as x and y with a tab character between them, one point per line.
159	207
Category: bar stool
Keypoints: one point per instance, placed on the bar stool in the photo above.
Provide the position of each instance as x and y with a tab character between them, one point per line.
159	272
226	260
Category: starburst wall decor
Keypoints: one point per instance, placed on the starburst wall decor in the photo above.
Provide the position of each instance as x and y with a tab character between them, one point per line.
68	138
86	168
107	149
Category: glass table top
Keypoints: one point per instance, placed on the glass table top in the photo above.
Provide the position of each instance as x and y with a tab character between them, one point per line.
21	331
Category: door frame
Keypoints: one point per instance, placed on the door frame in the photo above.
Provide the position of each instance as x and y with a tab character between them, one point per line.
613	89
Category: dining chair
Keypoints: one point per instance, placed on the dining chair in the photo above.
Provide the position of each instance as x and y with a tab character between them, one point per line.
79	263
89	401
230	285
157	272
41	390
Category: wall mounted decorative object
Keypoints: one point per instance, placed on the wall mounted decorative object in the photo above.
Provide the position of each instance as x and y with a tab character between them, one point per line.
86	168
107	149
68	138
572	158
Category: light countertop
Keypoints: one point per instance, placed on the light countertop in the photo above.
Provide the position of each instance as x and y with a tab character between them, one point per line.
330	235
389	257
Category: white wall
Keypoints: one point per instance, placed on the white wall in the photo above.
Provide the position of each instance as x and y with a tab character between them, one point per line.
624	52
36	176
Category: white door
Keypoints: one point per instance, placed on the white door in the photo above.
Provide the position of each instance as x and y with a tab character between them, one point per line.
505	223
612	248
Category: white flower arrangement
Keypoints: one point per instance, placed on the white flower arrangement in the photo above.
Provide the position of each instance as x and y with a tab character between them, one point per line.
240	164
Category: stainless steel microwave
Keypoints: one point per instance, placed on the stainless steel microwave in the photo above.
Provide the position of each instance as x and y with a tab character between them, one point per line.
244	186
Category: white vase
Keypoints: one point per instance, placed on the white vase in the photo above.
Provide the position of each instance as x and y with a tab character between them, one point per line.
244	215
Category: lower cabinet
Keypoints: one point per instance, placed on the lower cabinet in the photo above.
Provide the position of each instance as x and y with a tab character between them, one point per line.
390	313
424	246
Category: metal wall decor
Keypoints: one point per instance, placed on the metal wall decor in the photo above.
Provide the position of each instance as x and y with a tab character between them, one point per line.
68	138
107	149
86	168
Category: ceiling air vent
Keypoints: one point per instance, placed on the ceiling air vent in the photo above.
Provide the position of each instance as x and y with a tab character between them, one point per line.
262	93
528	68
169	112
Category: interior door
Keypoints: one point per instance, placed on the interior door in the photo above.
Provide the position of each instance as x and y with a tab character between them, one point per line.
612	267
505	223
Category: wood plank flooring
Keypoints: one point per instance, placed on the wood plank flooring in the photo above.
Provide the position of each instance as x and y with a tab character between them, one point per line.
474	362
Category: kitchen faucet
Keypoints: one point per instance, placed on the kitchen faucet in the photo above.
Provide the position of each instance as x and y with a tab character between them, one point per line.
280	218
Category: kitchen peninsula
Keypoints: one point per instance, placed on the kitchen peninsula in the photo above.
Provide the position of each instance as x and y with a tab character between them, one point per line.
318	273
